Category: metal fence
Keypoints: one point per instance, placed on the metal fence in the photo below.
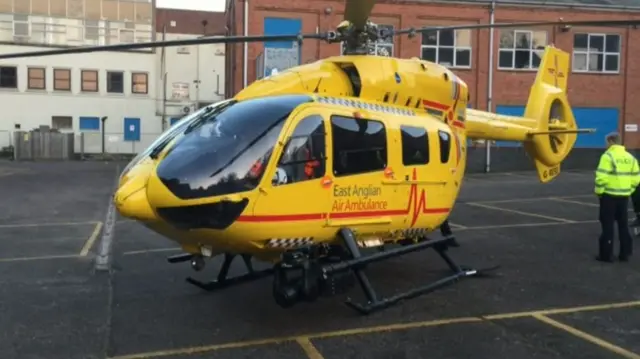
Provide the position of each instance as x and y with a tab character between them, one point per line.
52	145
112	143
42	145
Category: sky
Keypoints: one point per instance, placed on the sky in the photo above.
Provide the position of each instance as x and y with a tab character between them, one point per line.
205	5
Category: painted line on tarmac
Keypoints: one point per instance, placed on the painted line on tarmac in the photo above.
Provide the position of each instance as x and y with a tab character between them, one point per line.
309	349
38	258
48	224
376	329
154	250
529	199
92	239
524	225
530	214
103	260
586	336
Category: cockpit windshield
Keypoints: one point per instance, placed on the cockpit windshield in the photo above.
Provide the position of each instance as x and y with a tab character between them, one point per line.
173	131
226	151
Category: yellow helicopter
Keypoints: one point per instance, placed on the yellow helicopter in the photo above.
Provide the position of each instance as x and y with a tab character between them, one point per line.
306	168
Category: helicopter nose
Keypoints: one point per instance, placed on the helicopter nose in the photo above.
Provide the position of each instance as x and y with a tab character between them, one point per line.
134	204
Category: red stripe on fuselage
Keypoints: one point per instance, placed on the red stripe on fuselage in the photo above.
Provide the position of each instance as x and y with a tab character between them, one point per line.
434	104
338	215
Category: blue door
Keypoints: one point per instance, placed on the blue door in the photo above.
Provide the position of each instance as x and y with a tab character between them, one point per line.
131	129
603	120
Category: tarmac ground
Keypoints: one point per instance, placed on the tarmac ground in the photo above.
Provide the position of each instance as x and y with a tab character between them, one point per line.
549	298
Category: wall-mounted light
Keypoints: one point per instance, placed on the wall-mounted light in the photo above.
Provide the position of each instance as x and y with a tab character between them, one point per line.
328	10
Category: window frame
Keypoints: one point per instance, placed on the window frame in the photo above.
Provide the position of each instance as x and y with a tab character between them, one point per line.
426	143
55	88
15	85
82	80
287	141
589	52
133	82
335	155
109	82
514	49
454	47
44	78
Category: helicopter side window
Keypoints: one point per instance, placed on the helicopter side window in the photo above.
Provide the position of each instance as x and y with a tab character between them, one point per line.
359	146
303	157
415	146
445	146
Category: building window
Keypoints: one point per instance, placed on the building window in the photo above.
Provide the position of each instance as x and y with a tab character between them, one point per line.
382	47
36	78
62	80
21	27
447	47
92	30
139	83
521	49
8	77
115	82
415	146
89	80
596	53
359	146
62	122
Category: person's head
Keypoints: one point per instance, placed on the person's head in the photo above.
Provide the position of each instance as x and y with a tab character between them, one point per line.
613	139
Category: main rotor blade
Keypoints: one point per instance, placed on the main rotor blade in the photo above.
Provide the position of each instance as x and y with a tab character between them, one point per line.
153	44
607	23
357	12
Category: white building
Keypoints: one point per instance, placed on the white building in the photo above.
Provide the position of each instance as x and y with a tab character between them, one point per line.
75	92
195	75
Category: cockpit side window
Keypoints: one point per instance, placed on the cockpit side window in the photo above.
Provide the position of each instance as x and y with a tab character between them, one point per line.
445	146
303	157
359	146
415	145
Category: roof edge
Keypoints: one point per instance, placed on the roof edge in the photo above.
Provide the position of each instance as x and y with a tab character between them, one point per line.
525	3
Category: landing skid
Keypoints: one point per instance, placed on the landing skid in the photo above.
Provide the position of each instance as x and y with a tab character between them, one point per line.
316	277
375	303
305	274
222	281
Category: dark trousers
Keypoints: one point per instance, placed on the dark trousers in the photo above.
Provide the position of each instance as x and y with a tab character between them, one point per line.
635	201
613	209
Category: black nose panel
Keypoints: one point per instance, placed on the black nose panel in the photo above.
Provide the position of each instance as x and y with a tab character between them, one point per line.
219	215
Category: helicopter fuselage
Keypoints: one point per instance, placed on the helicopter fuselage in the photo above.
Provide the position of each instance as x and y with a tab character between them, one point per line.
382	169
373	144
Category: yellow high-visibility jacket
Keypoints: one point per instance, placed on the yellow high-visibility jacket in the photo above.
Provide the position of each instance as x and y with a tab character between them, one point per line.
618	173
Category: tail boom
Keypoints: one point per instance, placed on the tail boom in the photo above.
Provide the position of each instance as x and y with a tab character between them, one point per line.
547	128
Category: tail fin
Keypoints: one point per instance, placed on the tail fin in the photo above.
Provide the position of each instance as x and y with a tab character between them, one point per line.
556	131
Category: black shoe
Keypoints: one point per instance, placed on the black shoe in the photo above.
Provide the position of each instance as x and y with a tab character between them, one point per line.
607	260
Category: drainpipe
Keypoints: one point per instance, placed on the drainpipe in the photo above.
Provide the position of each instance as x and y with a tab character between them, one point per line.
492	10
245	23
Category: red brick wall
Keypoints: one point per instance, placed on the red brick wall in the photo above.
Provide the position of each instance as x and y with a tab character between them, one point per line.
510	87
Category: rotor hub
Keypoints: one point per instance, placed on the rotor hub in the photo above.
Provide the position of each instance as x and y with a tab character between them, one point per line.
358	41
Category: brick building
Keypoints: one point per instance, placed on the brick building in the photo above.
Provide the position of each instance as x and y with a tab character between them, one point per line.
604	83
